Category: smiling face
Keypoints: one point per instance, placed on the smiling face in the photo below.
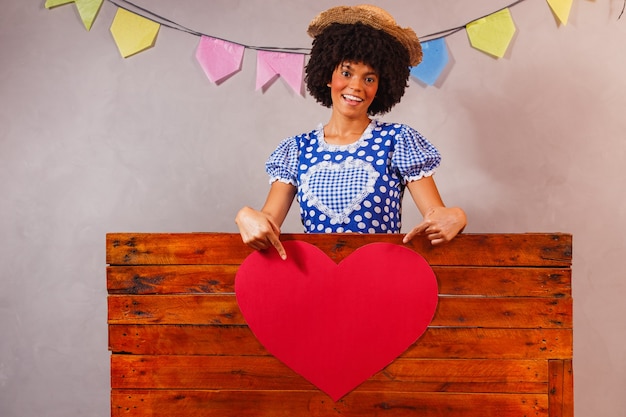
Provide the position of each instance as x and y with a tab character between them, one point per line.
353	88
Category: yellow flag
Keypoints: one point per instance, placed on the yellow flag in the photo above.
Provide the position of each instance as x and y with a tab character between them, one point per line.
54	3
133	33
88	10
492	34
561	9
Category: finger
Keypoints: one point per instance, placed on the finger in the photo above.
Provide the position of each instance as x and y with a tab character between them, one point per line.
272	237
278	245
415	231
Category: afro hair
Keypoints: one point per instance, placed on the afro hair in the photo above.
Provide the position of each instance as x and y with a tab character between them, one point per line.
359	43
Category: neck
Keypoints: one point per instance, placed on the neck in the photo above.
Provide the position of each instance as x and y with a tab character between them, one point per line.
342	131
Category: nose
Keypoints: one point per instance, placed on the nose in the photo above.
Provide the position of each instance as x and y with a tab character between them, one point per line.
355	83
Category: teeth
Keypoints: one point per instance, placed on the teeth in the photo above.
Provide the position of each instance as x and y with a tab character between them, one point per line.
354	98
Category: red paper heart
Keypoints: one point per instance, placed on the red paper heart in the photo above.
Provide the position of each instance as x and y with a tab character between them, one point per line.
337	325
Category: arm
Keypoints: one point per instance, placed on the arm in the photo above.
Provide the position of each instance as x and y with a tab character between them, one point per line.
441	224
260	229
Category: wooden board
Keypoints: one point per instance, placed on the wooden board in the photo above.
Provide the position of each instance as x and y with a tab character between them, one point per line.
500	343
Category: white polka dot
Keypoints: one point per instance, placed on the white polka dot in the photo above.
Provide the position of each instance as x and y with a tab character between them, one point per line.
377	199
358	218
361	225
383	189
367	203
338	157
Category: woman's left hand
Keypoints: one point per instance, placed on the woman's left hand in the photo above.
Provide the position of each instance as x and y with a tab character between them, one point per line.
440	225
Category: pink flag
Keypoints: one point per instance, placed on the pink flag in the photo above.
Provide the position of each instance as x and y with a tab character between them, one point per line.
270	65
218	58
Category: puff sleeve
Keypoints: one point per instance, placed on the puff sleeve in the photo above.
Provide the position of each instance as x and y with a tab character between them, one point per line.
414	157
282	165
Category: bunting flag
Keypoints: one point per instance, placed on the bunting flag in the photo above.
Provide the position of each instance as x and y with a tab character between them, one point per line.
88	10
492	34
271	65
54	3
561	9
133	33
219	58
433	63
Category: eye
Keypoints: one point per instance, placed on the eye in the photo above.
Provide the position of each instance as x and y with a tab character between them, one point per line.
345	73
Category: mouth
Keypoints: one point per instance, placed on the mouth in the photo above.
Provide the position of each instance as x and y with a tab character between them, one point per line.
351	98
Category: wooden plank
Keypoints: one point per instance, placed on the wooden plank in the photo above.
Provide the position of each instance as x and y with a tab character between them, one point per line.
561	388
268	373
227	248
224	403
451	311
198	279
504	281
435	343
171	279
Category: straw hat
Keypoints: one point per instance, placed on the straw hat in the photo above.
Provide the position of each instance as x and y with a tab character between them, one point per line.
372	16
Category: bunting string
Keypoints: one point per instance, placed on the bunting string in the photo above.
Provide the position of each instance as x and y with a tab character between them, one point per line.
135	29
132	7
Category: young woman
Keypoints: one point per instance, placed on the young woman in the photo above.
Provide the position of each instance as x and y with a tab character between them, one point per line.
350	174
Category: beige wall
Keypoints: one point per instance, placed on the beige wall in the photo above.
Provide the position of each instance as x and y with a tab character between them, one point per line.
91	143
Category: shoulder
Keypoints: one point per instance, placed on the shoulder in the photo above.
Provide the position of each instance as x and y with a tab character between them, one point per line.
399	131
302	138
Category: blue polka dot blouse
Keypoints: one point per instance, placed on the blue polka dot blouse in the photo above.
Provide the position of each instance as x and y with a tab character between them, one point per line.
356	187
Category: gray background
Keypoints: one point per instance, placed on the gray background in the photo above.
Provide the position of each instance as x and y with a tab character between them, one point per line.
92	143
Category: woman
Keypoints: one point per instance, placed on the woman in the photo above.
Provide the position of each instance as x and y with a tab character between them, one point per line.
350	174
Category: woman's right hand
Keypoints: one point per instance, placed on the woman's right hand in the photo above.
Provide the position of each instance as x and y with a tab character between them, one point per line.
259	231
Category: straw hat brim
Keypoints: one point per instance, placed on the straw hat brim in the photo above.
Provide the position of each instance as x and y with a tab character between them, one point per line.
371	16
